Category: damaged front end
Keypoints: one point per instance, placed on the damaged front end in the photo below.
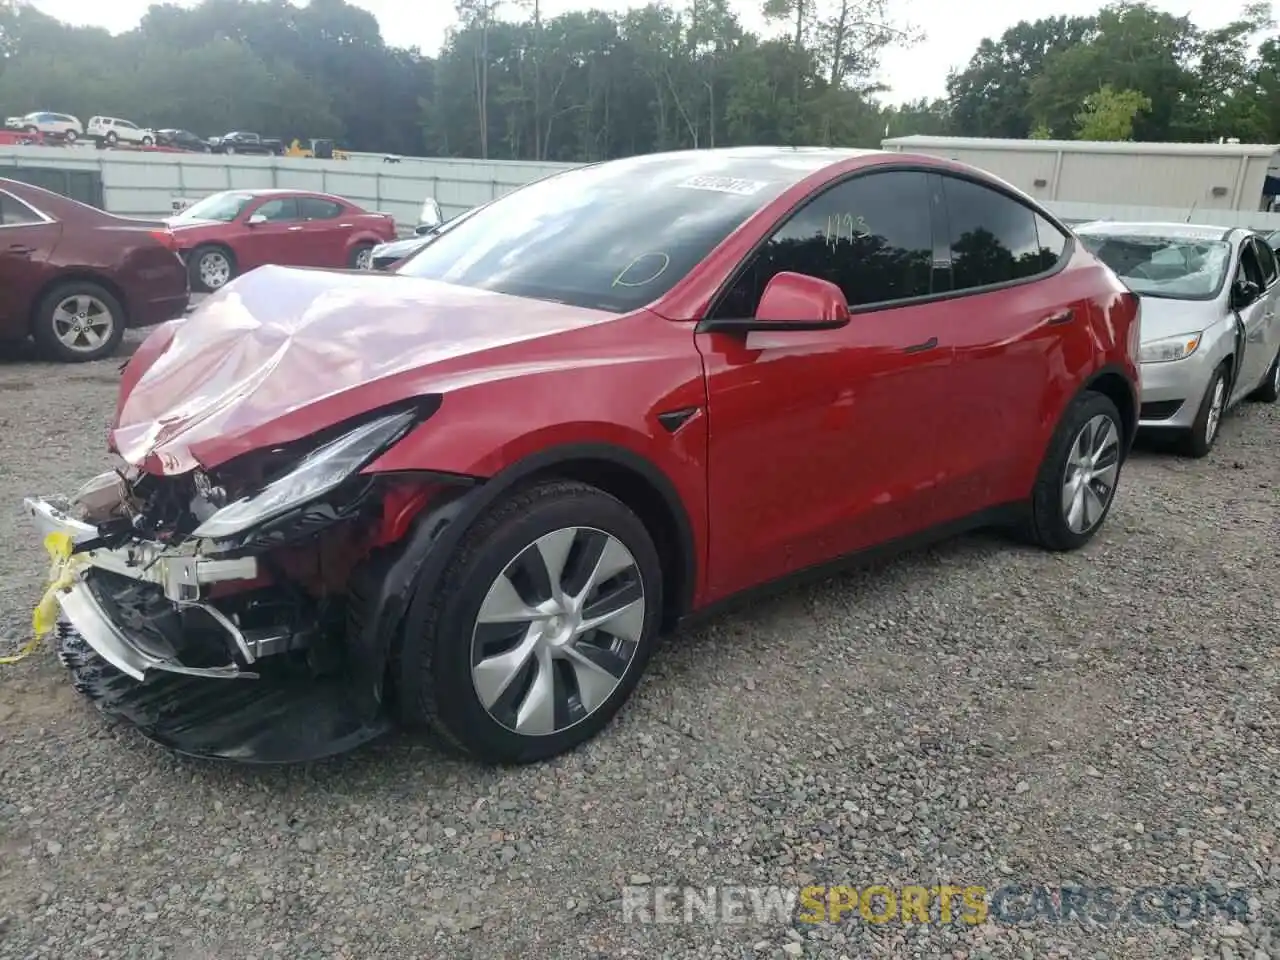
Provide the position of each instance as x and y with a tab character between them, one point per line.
228	613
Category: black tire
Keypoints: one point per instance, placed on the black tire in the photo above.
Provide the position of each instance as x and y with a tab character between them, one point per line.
1048	525
112	138
71	136
353	259
148	142
45	333
1269	392
1199	440
197	257
432	666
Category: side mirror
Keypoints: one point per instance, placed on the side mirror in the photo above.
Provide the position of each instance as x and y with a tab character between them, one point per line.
431	214
256	219
423	230
1243	293
791	302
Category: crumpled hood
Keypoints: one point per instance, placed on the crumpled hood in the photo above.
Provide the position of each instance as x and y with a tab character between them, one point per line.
1163	317
281	353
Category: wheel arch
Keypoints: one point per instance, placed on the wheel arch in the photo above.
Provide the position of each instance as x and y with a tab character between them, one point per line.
1111	382
396	596
77	276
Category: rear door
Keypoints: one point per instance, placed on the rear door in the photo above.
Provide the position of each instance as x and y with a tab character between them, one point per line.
1017	331
27	238
278	239
326	225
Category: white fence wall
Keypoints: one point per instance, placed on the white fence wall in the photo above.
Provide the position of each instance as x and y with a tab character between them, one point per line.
146	184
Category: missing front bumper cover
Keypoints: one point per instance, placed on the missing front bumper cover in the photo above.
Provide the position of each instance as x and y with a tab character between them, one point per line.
181	575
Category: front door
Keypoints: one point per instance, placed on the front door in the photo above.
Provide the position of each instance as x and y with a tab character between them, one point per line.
827	442
277	240
1257	319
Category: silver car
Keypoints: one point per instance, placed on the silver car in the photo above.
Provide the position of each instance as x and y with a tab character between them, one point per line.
1210	333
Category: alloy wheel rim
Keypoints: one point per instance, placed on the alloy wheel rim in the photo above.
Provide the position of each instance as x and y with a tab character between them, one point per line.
83	323
1215	410
363	259
1092	467
557	631
214	270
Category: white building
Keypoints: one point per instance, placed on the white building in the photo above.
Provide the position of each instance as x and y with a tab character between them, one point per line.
1232	184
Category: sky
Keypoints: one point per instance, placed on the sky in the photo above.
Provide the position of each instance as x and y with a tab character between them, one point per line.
952	28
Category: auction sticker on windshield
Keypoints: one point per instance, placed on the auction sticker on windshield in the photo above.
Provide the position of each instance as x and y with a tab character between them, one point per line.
743	188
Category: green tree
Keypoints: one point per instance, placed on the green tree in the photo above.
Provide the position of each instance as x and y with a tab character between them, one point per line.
1110	114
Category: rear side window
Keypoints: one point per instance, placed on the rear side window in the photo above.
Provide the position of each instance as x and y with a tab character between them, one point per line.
992	237
275	210
313	208
1053	243
15	213
871	236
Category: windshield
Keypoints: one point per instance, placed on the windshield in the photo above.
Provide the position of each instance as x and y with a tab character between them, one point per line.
613	237
1178	268
221	206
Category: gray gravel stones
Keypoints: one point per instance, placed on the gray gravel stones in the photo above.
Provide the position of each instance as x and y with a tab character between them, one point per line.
978	713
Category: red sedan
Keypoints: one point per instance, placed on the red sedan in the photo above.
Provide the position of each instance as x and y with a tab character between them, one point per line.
73	277
469	495
232	232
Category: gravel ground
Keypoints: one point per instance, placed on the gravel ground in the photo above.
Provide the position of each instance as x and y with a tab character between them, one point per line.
976	714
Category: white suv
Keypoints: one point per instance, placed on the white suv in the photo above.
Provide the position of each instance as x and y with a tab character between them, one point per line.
113	130
51	124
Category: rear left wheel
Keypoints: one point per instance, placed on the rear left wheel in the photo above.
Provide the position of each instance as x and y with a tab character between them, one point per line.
540	630
78	322
361	257
1078	478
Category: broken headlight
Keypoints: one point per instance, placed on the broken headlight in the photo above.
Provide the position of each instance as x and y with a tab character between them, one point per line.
320	472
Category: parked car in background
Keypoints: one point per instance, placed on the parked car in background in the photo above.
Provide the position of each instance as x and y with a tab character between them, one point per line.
113	130
1272	240
1210	333
74	277
235	231
182	140
469	496
388	256
61	125
243	141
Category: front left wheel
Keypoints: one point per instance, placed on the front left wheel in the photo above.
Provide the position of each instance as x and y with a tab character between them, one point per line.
540	630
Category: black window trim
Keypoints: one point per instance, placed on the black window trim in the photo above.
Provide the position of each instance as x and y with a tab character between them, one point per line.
41	216
976	178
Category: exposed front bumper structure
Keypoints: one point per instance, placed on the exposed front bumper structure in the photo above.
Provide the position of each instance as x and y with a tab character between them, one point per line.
292	712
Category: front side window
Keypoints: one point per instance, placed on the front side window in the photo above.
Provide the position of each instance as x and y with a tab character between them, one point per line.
1171	267
223	207
613	237
871	236
992	237
1267	259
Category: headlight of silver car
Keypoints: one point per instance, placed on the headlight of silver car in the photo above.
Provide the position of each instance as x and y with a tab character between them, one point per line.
318	473
1168	349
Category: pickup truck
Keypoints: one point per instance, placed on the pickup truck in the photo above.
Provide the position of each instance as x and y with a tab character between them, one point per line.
242	141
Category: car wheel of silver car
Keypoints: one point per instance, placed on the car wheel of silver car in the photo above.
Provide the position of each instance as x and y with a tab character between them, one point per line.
212	268
1200	438
112	138
78	322
71	136
540	630
1079	475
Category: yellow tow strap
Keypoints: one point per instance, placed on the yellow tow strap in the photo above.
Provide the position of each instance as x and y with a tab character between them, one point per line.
62	574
